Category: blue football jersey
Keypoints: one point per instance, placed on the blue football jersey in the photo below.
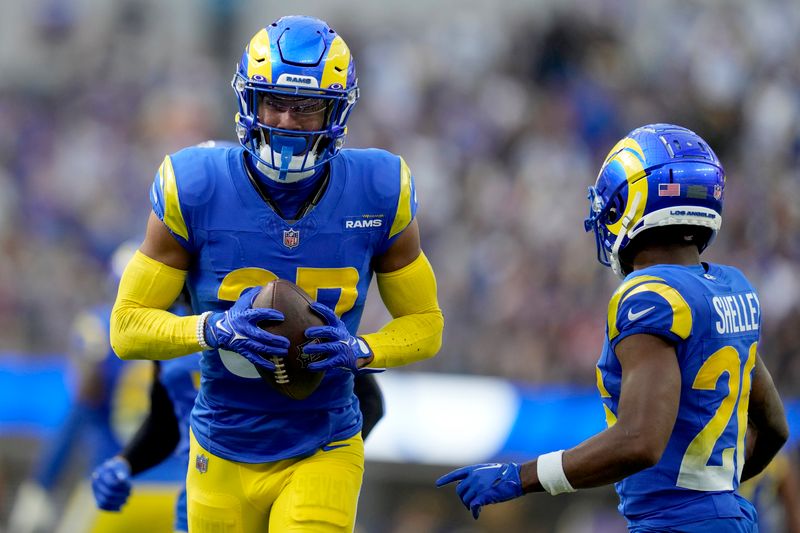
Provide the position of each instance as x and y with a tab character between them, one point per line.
712	315
209	203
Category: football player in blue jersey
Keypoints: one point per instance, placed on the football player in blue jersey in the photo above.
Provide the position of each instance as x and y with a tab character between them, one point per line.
690	407
288	203
165	432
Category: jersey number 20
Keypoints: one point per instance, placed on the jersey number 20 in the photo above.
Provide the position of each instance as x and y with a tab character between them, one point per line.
695	472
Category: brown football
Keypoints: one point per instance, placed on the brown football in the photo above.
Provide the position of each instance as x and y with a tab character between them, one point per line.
291	377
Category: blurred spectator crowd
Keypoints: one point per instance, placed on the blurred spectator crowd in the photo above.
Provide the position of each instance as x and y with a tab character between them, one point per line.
504	116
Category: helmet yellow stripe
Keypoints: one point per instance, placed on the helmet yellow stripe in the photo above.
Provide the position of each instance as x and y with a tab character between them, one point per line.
259	60
402	217
337	65
173	217
629	155
627	142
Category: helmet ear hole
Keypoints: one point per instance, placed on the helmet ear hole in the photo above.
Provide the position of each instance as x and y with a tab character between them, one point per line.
615	209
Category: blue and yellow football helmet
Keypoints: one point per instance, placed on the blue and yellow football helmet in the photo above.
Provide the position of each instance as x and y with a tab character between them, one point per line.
302	63
658	175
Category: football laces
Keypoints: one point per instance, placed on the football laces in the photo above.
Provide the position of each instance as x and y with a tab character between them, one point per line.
281	376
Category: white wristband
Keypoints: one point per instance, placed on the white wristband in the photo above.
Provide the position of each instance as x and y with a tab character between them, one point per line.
201	326
550	470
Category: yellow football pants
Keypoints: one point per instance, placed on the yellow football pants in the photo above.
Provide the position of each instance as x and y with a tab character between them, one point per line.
316	494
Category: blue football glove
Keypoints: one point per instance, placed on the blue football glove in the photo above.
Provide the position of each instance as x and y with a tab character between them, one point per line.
341	350
237	330
483	484
111	484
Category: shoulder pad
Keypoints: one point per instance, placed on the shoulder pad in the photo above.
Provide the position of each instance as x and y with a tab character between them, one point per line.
648	304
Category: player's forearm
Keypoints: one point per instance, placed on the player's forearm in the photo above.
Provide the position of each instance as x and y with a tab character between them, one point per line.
406	340
142	333
415	333
763	446
768	429
606	458
141	328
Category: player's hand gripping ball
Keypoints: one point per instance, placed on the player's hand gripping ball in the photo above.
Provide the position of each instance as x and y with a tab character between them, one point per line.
237	330
336	346
291	376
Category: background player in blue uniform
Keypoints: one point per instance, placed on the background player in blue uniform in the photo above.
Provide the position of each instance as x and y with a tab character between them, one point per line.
165	431
679	375
289	203
108	406
86	437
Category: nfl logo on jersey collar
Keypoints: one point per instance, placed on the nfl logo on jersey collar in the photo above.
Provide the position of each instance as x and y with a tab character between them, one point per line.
291	238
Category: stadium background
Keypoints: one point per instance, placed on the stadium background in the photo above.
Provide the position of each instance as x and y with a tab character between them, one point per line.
504	111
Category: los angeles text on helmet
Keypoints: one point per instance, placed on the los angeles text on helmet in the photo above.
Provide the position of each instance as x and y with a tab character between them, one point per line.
684	213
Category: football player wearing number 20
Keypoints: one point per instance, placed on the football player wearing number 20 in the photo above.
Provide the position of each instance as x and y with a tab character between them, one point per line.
690	407
288	203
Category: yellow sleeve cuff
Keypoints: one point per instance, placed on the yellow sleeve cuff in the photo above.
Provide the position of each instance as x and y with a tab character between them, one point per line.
415	333
141	326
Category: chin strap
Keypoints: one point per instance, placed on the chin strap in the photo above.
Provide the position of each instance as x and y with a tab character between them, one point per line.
623	230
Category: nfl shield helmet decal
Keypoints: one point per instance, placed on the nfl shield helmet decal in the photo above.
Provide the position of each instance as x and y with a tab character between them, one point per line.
201	463
291	238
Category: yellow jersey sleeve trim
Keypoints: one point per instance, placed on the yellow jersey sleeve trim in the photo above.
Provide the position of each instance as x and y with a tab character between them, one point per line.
141	326
611	418
613	304
402	217
600	385
173	217
681	312
415	332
